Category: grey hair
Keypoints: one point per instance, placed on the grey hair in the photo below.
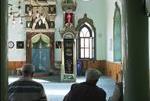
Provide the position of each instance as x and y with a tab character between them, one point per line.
28	68
92	74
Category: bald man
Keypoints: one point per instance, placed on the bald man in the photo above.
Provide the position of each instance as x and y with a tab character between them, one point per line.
87	91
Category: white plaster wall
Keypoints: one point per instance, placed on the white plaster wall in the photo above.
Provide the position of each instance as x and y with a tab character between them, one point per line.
16	32
58	26
95	9
110	15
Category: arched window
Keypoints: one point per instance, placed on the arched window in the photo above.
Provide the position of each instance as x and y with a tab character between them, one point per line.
117	34
86	40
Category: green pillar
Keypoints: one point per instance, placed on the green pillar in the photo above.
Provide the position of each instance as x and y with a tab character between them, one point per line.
3	50
136	71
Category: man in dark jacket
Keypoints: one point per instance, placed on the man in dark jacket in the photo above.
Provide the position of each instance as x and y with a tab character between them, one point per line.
87	91
25	89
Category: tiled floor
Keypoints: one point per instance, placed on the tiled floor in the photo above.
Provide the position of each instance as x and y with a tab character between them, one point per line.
55	91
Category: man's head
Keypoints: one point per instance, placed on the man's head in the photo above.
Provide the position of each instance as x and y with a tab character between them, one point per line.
27	70
92	75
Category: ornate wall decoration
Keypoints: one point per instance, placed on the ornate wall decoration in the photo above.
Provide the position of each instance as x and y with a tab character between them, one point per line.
39	14
69	4
70	29
68	55
68	34
83	20
52	9
40	29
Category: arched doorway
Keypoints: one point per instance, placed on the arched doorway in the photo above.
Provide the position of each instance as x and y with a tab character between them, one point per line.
40	51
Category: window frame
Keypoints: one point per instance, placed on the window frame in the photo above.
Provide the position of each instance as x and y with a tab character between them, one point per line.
91	37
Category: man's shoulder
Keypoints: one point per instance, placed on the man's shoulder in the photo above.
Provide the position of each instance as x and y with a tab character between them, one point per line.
99	89
75	85
26	82
79	85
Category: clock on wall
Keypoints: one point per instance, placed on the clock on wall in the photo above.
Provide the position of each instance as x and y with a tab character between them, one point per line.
11	44
147	5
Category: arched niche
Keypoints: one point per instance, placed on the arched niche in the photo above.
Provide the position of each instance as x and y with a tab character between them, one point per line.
43	37
117	45
40	51
86	23
40	24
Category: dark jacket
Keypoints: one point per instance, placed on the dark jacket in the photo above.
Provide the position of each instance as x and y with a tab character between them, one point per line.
85	92
26	90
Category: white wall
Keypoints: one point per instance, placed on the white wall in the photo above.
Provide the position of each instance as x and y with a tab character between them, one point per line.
95	9
16	32
110	15
58	26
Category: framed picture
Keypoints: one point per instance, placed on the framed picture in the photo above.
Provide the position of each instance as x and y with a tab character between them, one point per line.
58	44
28	24
52	24
20	44
28	8
68	18
52	9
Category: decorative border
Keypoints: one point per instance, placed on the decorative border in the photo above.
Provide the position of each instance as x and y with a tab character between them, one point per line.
20	44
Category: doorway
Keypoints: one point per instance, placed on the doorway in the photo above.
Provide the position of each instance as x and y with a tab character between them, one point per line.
40	51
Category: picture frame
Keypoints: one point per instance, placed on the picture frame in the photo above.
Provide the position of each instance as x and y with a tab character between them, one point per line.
69	18
52	9
58	44
27	8
28	24
52	24
19	44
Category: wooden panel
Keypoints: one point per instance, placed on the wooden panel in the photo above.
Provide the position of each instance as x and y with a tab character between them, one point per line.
13	65
99	64
114	70
108	68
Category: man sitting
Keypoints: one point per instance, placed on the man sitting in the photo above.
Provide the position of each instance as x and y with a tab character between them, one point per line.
87	91
25	89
